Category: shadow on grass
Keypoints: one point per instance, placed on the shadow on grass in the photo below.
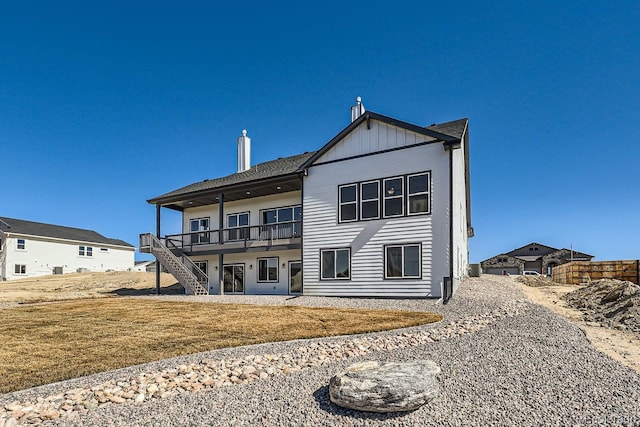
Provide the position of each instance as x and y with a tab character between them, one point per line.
175	289
321	396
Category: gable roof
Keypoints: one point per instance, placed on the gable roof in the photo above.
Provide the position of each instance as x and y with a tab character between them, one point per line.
282	167
31	228
449	132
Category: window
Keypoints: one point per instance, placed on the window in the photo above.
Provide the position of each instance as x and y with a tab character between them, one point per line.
204	268
21	244
335	264
401	195
238	226
104	249
402	261
85	251
348	202
200	224
267	269
286	221
418	193
20	269
393	197
370	200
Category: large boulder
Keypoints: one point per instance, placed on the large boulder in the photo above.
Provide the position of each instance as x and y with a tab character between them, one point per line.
385	386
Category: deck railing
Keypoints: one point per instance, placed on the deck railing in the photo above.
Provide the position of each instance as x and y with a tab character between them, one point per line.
251	233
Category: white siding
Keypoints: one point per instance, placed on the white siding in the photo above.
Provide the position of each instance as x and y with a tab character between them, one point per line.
250	262
41	255
367	238
460	234
380	137
253	206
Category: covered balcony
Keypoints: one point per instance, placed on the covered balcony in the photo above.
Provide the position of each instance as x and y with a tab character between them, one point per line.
283	235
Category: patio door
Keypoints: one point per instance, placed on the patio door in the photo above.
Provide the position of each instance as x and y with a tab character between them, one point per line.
234	279
295	277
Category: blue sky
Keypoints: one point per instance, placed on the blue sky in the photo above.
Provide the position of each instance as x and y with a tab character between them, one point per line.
103	106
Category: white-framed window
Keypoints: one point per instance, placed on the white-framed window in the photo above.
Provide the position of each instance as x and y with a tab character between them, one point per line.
370	200
268	269
418	186
20	269
335	264
284	222
393	196
199	228
204	268
238	225
348	202
402	261
85	251
21	244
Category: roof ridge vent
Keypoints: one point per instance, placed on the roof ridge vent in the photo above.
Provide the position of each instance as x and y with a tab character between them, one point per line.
357	110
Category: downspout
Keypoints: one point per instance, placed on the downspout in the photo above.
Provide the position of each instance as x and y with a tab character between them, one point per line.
447	297
158	267
301	231
448	284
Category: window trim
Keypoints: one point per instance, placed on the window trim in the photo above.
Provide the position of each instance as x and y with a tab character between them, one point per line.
267	280
85	251
24	244
428	193
203	236
334	250
403	246
240	229
383	197
362	201
393	197
356	202
23	269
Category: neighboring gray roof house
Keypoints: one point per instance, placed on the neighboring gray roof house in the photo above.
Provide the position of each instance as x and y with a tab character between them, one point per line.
30	249
31	228
531	257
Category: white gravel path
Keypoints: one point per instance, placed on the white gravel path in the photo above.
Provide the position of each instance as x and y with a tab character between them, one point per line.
522	366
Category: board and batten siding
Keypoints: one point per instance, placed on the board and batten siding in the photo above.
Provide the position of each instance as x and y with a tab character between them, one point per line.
366	239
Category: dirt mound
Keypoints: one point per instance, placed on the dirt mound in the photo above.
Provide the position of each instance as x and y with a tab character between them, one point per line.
613	303
535	281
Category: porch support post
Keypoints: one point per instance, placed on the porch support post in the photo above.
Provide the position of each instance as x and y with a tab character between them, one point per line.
221	241
158	267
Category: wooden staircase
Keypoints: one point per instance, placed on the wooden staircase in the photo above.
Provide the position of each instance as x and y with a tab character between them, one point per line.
190	276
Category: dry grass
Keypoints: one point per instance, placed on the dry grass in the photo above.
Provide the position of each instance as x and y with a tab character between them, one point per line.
52	342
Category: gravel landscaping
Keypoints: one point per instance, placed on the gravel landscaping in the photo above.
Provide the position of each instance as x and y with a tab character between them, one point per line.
504	361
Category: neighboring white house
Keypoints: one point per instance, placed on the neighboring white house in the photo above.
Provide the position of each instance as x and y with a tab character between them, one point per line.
29	249
382	209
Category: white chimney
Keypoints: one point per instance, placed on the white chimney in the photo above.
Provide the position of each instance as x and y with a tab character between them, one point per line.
244	152
357	110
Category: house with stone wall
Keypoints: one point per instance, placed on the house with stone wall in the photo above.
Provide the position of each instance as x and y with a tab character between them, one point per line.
532	257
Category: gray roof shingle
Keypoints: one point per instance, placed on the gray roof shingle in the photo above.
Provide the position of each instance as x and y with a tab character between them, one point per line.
271	169
291	165
454	128
20	226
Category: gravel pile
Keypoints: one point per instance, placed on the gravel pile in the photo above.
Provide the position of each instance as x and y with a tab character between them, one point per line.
614	303
536	281
504	362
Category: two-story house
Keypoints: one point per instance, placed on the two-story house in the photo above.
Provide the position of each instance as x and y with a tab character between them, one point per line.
382	209
29	249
